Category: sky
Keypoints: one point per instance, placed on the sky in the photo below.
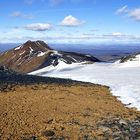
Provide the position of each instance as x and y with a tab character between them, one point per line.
70	21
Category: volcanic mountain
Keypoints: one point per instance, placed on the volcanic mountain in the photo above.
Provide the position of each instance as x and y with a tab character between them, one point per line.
34	55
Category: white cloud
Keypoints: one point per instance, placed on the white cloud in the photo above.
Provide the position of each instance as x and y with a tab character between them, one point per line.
135	13
20	15
117	34
38	26
123	9
71	21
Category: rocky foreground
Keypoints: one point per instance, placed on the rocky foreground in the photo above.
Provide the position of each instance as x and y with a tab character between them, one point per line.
65	110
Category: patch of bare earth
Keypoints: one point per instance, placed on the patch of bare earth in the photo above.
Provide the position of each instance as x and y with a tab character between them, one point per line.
62	112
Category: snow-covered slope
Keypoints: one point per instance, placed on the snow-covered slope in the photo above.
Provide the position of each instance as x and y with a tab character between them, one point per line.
123	81
62	66
130	61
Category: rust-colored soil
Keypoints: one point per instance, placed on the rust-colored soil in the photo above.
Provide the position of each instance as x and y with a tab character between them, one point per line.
39	111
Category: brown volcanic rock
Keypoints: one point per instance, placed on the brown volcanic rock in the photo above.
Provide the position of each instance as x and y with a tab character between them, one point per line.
34	55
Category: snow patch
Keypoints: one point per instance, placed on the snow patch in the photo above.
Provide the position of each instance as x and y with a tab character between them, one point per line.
22	53
56	53
88	55
72	58
41	54
18	47
31	50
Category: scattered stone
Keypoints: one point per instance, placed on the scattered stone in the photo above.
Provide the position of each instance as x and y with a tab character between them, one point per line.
104	129
48	133
85	137
122	122
62	128
82	128
50	121
120	129
89	137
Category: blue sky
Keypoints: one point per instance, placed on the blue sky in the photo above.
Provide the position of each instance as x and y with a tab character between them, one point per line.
70	21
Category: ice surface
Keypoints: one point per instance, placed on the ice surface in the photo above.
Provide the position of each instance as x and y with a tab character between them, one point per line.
123	79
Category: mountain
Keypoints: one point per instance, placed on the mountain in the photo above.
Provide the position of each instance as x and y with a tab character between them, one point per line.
34	55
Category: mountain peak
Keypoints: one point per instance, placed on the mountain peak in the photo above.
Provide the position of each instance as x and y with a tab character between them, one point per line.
28	41
37	41
36	45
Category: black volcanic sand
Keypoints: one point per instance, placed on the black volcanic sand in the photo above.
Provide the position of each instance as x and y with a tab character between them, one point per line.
58	109
9	76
